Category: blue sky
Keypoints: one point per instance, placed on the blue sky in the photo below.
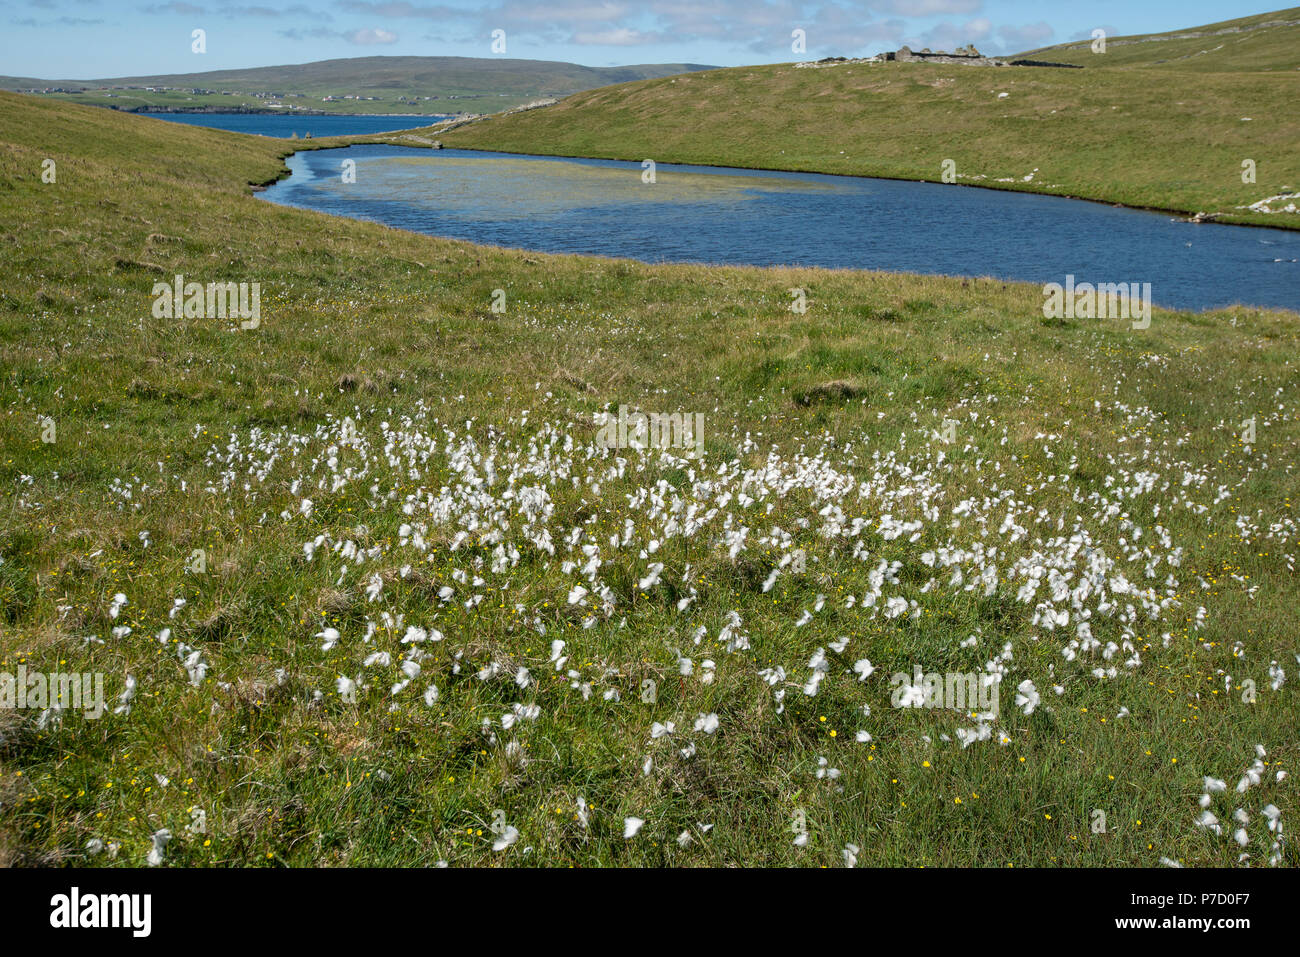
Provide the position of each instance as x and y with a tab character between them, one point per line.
76	39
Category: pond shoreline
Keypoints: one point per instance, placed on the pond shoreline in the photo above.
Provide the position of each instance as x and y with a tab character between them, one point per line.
861	223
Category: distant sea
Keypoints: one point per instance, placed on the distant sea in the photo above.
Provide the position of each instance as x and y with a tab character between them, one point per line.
286	124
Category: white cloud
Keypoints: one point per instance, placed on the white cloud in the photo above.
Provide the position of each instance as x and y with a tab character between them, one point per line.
1029	37
370	37
1002	41
620	37
927	8
948	36
404	10
365	37
759	27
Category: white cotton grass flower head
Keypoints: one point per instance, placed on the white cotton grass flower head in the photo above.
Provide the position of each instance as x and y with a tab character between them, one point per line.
126	697
707	723
820	667
662	729
911	696
192	660
159	841
632	827
1027	697
824	770
509	835
520	712
652	579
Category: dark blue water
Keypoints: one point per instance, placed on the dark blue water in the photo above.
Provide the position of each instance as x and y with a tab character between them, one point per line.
764	218
286	124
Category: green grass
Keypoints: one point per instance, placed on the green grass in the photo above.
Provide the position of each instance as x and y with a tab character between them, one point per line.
1264	42
1173	139
379	325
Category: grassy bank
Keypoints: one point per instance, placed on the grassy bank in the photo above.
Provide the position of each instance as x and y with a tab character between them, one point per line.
385	451
1260	43
1170	138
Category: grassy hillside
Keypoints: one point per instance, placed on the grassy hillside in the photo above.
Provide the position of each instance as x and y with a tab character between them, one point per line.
389	83
1174	140
916	472
1264	42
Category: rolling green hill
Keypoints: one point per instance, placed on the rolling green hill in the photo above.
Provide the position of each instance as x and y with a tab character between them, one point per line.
1265	42
389	84
1174	140
437	621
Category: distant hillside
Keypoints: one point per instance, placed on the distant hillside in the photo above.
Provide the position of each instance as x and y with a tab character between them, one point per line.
1267	41
378	84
